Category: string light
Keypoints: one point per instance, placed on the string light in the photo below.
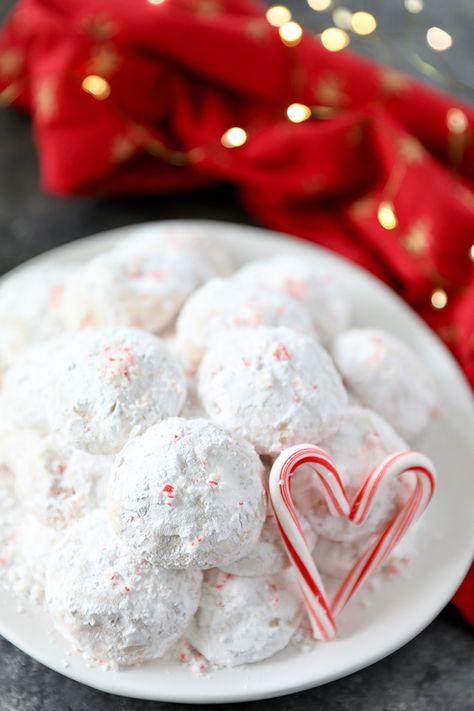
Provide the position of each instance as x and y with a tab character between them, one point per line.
234	137
414	6
334	39
456	121
319	5
156	2
471	253
439	298
386	215
97	86
438	39
342	17
363	23
297	113
291	33
278	15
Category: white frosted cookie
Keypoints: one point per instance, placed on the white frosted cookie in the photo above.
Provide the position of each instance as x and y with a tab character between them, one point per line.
335	558
225	304
56	483
273	386
243	620
363	440
144	281
112	607
269	555
35	543
186	493
305	281
109	382
30	302
27	384
387	376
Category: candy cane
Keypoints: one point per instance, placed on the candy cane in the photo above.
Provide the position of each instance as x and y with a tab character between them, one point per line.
396	465
329	483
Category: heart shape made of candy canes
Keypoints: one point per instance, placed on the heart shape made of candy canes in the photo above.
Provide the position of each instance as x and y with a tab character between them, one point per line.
320	609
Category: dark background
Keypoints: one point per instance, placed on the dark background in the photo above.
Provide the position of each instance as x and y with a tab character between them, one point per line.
435	672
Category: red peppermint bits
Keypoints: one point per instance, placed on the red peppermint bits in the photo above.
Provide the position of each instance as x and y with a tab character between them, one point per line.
168	488
281	352
126	588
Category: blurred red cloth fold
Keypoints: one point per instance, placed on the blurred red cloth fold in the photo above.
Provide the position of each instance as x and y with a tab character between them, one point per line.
135	96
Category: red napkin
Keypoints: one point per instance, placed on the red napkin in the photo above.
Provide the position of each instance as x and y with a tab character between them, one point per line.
135	97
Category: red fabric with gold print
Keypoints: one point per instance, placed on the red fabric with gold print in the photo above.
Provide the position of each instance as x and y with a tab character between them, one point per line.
135	96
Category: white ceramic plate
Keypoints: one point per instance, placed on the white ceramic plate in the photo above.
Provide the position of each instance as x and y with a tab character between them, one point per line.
400	608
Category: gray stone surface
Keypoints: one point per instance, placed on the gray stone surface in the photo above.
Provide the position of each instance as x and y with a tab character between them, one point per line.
432	673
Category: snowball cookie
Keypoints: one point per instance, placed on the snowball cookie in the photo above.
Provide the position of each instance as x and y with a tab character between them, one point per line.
363	440
30	302
273	386
223	304
308	282
27	384
335	559
110	381
388	377
35	543
144	281
186	493
269	555
112	607
244	620
57	483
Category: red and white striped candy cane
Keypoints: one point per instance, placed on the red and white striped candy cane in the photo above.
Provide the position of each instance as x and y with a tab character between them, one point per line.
400	464
329	483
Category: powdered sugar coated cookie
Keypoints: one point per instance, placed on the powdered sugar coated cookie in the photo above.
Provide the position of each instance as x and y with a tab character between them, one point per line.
273	386
269	555
30	303
186	493
363	440
305	281
110	381
387	376
56	483
224	304
112	607
243	620
144	281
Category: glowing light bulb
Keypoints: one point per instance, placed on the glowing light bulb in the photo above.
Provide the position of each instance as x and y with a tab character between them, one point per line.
334	39
234	137
291	33
457	121
386	215
97	86
438	39
342	17
319	5
297	113
278	15
471	253
363	23
439	298
156	2
414	6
